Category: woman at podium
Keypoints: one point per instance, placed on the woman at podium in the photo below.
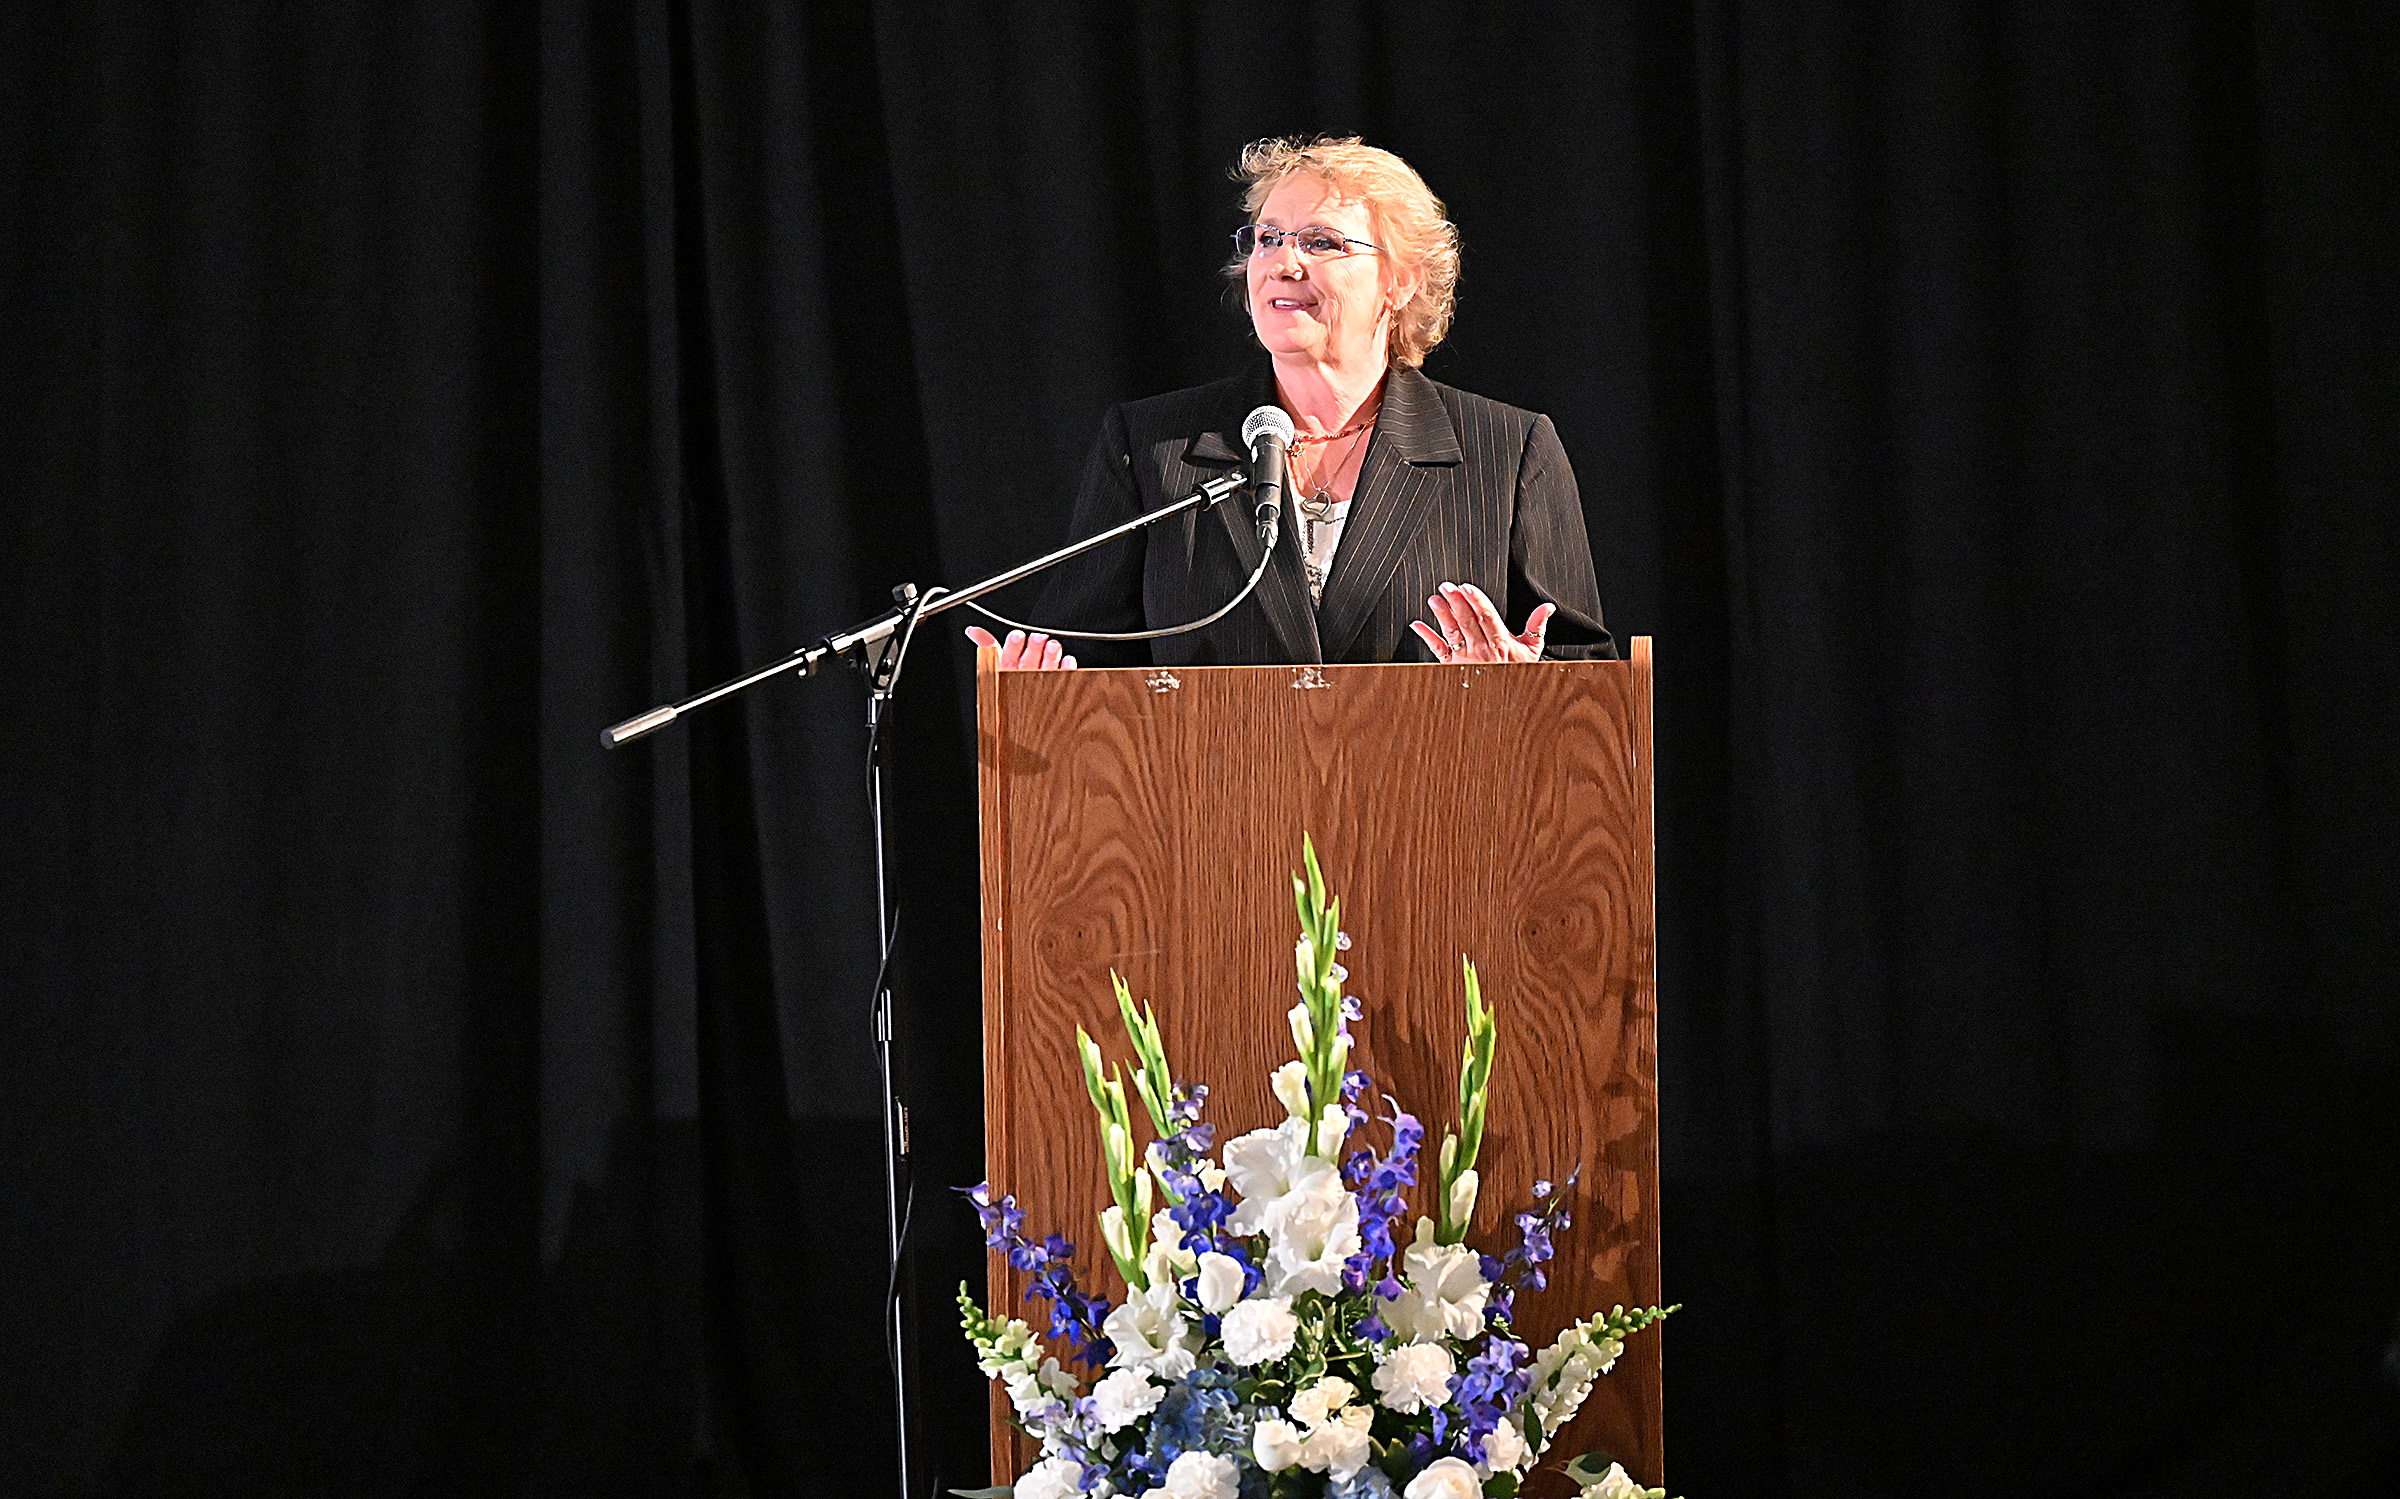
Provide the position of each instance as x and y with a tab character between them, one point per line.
1421	521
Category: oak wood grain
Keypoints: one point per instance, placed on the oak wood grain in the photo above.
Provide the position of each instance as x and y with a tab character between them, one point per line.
1145	822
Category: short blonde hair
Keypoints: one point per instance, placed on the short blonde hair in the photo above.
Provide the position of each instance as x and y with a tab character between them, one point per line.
1407	217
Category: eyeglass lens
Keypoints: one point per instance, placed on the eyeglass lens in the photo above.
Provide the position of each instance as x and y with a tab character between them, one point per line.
1256	239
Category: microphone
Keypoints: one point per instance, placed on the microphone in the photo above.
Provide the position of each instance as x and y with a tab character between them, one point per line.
1267	432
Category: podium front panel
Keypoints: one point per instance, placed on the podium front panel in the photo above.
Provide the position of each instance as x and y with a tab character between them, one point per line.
1146	821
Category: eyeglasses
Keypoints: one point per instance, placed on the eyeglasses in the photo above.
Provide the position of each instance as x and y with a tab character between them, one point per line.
1316	244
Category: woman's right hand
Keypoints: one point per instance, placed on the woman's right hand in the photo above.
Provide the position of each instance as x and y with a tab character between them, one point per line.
1023	652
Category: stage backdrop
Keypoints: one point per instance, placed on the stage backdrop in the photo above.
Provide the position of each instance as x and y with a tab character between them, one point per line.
1987	406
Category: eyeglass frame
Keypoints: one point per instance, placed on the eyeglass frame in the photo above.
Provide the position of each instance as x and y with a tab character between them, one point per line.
1260	232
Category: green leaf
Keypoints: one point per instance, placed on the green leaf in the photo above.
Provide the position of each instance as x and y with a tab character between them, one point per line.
1502	1485
1591	1467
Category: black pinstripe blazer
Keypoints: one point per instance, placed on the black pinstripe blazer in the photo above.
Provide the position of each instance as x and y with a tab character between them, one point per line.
1453	488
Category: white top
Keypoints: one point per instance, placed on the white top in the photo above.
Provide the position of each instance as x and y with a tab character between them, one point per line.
1317	530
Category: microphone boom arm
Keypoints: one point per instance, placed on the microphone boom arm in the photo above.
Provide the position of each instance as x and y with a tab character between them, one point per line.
866	642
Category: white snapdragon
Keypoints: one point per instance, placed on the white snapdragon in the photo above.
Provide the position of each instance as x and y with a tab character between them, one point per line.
1563	1374
1017	1359
1051	1478
1312	1239
1616	1483
1443	1292
1504	1449
1445	1478
1260	1330
1415	1377
1199	1475
1031	1389
1124	1398
1221	1282
1276	1444
1152	1333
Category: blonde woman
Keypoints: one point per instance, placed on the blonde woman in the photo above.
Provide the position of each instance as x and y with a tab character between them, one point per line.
1422	520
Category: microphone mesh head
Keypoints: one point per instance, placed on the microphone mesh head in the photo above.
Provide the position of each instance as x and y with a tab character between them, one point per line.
1267	419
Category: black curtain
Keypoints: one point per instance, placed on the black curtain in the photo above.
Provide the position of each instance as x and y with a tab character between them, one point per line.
1988	408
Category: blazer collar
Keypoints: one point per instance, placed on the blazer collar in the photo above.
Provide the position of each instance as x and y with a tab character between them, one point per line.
1406	463
1410	466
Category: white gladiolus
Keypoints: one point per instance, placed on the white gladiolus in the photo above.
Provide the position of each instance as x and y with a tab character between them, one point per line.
1124	1398
1199	1475
1415	1378
1462	1195
1268	1166
1220	1282
1276	1444
1151	1333
1114	1233
1445	1478
1260	1331
1304	1030
1168	1263
1291	1089
1443	1292
1331	1131
1051	1478
1311	1239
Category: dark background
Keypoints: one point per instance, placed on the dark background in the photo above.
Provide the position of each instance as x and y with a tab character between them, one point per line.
1987	406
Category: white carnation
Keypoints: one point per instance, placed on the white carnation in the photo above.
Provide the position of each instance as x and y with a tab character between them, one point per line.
1124	1398
1415	1378
1199	1475
1445	1478
1260	1331
1051	1478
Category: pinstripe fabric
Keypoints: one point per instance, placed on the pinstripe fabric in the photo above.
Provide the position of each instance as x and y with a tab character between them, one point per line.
1453	488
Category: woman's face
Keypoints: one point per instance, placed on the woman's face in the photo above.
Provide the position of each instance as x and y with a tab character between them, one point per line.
1335	309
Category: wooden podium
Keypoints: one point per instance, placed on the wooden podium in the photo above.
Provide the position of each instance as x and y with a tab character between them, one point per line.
1147	821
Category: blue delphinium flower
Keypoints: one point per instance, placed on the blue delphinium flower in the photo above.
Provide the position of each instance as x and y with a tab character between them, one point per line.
1377	1181
1073	1315
1494	1381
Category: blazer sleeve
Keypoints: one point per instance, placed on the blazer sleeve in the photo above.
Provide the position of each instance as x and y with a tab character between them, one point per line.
1102	589
1550	555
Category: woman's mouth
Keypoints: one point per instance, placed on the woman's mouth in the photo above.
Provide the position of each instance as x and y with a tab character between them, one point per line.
1289	304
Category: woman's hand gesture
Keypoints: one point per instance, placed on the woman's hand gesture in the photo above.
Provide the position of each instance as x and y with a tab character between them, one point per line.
1471	629
1023	652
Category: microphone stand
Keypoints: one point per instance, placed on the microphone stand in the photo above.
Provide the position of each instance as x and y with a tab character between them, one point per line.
878	648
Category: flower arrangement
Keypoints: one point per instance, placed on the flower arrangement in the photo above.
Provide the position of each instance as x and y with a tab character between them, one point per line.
1285	1334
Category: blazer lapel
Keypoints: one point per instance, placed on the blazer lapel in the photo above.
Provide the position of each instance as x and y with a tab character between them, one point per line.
1283	592
1411	465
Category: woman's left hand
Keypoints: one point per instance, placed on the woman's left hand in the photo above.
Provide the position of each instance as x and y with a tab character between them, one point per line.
1472	629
